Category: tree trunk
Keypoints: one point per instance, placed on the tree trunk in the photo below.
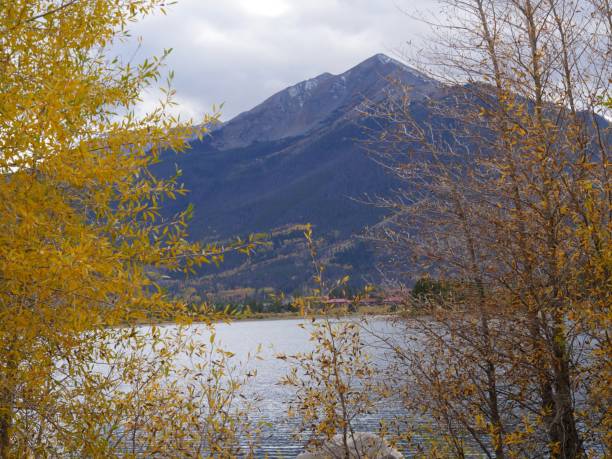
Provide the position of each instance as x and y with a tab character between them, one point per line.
7	379
5	426
562	429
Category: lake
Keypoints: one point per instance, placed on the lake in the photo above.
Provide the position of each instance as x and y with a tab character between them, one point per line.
285	336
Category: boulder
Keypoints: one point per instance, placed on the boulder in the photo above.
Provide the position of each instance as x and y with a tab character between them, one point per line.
365	445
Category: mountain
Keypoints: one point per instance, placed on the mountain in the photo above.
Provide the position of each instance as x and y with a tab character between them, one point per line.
296	158
312	104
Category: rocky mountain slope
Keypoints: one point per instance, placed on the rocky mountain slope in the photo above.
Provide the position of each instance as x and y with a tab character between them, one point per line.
296	158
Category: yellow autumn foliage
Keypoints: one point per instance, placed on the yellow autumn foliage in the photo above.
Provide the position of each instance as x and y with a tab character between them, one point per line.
82	240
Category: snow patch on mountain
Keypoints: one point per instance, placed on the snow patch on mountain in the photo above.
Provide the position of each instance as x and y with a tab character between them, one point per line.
307	86
294	91
384	59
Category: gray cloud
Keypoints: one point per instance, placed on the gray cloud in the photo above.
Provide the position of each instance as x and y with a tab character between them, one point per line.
239	52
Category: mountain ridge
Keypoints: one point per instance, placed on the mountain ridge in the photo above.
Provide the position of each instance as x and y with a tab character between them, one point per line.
300	108
294	159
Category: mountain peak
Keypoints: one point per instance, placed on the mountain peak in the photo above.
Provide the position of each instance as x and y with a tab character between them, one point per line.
386	66
378	59
317	102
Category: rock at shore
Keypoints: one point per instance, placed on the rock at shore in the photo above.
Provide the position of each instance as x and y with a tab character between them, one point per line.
363	445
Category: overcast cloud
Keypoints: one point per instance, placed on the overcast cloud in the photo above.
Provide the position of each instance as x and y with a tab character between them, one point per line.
239	52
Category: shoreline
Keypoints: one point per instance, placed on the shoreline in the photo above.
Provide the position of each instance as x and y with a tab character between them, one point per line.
270	317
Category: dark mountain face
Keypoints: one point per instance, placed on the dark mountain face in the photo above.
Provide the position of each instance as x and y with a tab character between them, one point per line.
297	158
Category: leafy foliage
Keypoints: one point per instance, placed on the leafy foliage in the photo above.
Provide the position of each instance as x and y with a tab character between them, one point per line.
335	382
515	197
82	243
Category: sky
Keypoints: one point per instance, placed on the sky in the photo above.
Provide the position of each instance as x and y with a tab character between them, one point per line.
239	52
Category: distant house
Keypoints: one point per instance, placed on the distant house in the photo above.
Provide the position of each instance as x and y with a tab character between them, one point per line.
337	301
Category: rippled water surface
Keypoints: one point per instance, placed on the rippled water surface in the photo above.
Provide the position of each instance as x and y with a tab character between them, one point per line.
285	336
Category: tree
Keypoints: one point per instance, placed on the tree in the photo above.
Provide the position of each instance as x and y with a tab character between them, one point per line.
514	190
335	382
81	236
